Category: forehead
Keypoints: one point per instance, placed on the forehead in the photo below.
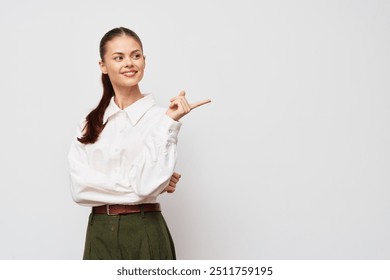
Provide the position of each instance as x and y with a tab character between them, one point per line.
123	44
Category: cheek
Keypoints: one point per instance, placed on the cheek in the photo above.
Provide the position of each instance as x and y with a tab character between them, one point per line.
112	67
141	65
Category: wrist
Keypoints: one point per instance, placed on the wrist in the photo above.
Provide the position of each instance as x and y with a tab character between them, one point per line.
172	116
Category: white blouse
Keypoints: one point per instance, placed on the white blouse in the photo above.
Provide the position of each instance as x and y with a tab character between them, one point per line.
133	159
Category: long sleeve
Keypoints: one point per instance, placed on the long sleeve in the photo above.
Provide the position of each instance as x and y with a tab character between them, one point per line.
151	171
104	179
87	183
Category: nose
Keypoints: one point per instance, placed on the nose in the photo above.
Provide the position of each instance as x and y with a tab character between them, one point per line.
128	62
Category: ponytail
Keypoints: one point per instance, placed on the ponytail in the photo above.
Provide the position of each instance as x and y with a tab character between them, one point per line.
94	120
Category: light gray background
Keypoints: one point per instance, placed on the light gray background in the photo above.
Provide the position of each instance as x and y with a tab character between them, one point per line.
290	161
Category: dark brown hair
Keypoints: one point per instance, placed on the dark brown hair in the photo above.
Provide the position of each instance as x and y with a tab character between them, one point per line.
94	120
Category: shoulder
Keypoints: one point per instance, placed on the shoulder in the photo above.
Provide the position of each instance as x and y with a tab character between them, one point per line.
157	110
153	114
159	117
154	108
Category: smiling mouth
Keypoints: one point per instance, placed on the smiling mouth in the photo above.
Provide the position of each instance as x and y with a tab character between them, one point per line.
130	73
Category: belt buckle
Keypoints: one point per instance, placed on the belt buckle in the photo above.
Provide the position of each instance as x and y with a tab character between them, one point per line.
108	211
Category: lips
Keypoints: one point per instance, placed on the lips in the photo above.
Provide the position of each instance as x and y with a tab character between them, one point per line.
130	73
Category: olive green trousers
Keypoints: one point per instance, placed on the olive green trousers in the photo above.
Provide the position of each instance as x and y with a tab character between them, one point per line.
139	236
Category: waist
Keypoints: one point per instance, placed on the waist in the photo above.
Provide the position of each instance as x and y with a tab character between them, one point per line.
118	209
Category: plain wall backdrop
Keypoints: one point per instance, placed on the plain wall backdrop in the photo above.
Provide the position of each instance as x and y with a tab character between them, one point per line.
290	160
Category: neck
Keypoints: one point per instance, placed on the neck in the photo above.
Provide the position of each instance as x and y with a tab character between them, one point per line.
125	97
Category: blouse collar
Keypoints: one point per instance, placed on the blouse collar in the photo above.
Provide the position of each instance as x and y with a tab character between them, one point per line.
135	111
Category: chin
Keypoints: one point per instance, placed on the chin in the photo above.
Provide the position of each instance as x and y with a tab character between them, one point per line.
128	82
132	83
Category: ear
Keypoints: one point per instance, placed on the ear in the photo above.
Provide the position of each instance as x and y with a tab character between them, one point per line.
103	67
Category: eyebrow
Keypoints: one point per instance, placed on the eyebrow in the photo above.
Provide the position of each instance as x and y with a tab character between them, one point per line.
120	53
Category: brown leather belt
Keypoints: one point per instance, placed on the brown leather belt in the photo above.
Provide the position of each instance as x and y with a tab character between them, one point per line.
126	209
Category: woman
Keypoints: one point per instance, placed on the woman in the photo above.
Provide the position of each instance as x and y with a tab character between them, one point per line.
124	157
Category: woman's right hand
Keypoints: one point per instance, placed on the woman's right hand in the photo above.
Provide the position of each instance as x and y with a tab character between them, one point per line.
172	183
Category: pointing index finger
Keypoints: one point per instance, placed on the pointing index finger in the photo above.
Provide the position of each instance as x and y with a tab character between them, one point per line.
199	103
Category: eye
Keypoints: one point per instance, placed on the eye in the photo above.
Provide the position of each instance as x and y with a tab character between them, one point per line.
118	58
137	56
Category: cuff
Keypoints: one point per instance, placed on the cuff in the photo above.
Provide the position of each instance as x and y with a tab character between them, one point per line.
170	127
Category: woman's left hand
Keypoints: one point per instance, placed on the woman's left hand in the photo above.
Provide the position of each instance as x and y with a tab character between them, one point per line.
180	107
172	183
